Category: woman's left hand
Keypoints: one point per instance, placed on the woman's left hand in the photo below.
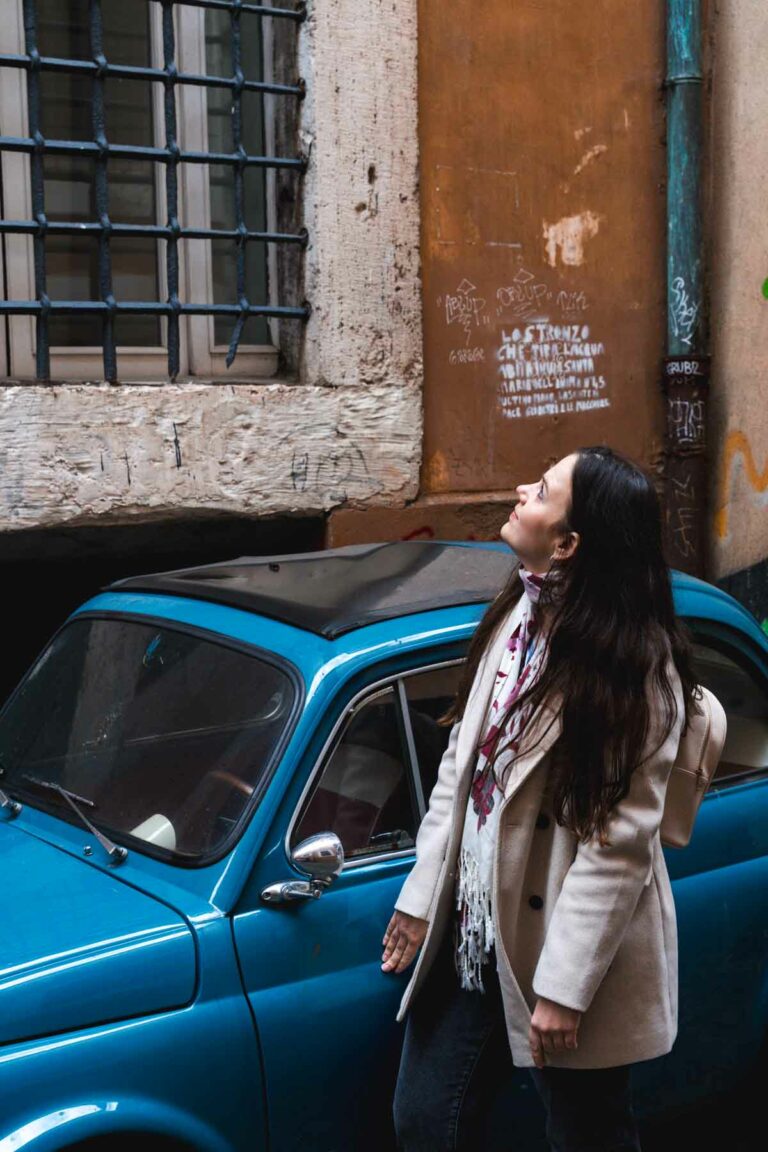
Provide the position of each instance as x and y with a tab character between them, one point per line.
554	1027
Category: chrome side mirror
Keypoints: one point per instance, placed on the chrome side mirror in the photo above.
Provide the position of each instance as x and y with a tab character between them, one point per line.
321	857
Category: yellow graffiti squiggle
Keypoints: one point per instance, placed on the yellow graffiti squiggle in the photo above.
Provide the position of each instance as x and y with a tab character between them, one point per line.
737	442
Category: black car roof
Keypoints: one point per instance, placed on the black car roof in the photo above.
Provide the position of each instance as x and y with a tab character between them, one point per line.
339	589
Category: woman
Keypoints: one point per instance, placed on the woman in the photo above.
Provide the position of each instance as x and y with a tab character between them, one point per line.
540	897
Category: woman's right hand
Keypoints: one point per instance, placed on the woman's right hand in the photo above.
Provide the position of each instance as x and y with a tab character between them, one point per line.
402	940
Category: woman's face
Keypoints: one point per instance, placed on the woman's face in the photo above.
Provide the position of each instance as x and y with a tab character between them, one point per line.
534	529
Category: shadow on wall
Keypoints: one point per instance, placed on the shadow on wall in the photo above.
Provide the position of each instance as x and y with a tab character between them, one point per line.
47	573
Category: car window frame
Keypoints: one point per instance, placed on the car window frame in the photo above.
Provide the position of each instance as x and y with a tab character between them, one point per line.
135	843
395	680
741	649
702	628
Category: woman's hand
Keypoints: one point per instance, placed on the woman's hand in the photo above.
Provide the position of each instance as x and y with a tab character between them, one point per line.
553	1028
402	940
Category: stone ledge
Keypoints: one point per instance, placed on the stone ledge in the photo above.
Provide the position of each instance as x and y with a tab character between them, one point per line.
81	453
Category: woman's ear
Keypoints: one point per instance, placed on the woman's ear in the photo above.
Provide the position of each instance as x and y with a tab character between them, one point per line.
570	543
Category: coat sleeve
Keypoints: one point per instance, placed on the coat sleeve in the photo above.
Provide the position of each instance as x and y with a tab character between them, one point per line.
601	889
432	837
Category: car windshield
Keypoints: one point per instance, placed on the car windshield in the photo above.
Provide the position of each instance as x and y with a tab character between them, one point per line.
166	732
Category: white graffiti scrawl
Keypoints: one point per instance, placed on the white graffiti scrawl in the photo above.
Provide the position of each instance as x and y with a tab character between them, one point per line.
465	308
684	313
547	369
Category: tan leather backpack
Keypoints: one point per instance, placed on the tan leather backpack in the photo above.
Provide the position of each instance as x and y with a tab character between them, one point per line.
697	759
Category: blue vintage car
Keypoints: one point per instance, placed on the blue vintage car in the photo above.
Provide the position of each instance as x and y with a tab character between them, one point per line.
212	780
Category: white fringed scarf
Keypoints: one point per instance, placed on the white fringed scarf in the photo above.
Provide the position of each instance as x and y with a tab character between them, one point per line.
520	663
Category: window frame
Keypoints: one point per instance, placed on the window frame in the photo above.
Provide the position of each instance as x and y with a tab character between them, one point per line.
703	629
394	680
739	648
199	355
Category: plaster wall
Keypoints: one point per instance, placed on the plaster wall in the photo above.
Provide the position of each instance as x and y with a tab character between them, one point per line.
737	224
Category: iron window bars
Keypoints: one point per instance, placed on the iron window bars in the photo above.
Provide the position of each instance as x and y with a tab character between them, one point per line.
171	155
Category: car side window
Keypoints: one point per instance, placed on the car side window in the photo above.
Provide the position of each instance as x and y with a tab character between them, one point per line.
745	701
429	694
363	791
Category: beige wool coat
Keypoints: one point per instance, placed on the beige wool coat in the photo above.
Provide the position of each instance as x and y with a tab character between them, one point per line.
591	927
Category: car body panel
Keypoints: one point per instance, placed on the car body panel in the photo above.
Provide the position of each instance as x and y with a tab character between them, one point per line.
116	952
192	1073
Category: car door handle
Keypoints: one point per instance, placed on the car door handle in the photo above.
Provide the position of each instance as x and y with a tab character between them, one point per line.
288	891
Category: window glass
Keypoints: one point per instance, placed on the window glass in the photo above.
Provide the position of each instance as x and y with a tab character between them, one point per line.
163	734
72	262
218	49
363	792
429	694
746	706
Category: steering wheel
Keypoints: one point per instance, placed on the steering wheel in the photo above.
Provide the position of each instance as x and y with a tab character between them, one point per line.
230	778
196	799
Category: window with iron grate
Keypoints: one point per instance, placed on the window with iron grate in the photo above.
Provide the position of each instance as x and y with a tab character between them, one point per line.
144	147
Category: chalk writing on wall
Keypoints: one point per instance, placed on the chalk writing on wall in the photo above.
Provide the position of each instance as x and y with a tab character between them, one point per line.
683	311
334	470
547	369
686	421
685	383
465	308
466	356
682	512
524	297
547	359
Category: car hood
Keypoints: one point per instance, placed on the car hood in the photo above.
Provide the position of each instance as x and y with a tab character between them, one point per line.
79	947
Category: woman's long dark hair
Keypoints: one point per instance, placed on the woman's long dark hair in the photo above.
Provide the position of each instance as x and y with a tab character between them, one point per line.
612	626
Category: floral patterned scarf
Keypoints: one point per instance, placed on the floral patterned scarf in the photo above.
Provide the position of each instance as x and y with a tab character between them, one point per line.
520	663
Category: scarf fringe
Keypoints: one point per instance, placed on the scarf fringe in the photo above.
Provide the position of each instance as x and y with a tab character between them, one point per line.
476	923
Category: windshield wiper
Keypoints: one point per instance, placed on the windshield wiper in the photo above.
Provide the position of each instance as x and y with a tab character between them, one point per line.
6	802
13	806
114	851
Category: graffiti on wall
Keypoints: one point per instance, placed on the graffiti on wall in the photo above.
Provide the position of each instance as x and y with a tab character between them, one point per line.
465	308
686	420
684	312
547	358
546	369
736	444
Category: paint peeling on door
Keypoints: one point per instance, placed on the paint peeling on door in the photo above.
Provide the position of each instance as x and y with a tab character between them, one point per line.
569	234
589	156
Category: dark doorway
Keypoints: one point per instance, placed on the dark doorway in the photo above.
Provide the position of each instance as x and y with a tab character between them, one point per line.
48	573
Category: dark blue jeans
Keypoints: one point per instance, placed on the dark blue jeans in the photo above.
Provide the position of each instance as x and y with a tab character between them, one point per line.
456	1054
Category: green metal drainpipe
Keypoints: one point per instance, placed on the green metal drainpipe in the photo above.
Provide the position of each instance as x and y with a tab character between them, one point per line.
686	366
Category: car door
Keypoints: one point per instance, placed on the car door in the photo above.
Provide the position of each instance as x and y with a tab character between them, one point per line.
720	885
323	1009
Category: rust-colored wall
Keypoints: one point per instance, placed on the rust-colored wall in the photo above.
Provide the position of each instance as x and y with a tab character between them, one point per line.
542	166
